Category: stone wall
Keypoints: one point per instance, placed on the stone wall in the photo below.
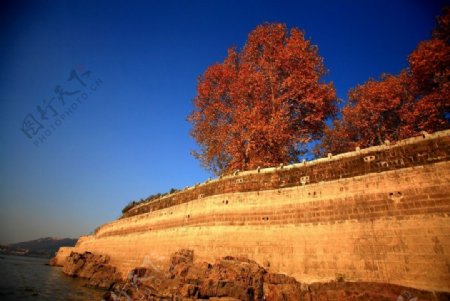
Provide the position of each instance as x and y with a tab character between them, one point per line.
376	215
411	152
61	256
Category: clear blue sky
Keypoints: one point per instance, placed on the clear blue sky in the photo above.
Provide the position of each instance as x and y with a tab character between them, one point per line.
129	138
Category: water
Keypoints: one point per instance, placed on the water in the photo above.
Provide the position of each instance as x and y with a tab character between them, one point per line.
28	278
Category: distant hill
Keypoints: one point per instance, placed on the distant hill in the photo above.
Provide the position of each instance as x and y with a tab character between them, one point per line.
45	247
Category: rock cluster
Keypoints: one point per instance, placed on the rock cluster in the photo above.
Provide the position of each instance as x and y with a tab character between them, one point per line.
94	268
228	279
233	279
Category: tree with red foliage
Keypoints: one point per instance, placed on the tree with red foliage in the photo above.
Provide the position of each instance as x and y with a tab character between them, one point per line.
375	112
398	106
429	66
260	106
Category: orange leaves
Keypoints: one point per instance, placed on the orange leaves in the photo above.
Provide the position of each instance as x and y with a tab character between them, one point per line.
430	63
258	106
375	107
399	106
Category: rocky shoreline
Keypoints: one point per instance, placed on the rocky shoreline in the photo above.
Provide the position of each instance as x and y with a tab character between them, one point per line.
227	279
95	269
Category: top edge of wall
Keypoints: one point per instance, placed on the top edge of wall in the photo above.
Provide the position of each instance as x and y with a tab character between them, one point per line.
391	145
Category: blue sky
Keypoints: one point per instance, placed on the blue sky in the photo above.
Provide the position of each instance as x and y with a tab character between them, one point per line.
129	137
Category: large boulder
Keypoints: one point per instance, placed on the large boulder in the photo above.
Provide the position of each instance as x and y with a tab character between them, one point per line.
92	267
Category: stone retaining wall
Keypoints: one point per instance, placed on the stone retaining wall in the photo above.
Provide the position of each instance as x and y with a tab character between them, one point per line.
375	215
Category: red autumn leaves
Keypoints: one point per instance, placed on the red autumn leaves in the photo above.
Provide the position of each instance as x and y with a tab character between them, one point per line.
262	105
398	106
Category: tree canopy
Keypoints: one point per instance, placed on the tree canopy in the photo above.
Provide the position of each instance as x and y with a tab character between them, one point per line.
263	104
398	106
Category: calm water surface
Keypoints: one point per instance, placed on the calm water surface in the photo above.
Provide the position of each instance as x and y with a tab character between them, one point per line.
28	278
